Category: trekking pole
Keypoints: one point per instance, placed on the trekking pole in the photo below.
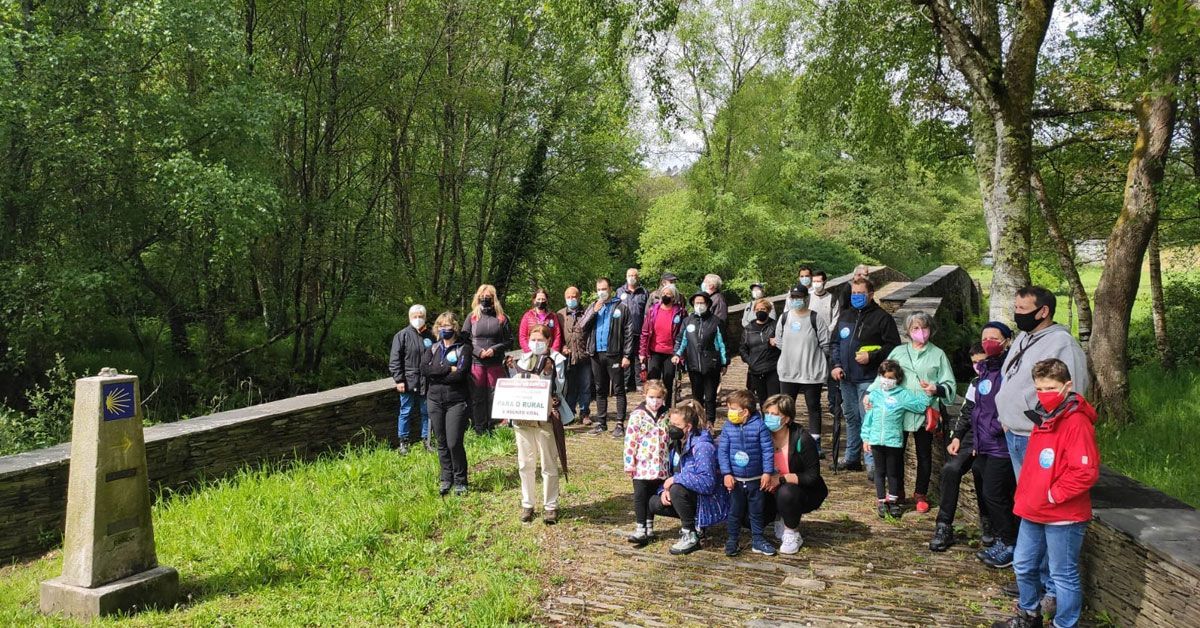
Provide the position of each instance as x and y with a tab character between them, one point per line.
837	436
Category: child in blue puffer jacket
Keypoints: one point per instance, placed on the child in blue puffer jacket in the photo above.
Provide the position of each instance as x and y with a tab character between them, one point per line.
747	460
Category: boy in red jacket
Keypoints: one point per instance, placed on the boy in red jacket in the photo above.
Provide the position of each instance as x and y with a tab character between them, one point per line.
1052	500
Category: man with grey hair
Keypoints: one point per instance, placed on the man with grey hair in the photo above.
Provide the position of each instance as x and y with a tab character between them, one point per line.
405	365
720	309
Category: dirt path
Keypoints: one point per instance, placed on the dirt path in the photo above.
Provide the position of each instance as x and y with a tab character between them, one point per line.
854	568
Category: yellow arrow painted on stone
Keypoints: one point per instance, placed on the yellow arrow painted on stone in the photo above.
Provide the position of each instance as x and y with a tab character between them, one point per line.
124	445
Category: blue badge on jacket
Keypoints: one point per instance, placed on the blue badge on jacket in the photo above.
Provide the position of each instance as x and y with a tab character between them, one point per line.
795	326
550	323
616	313
691	327
984	387
1046	458
675	321
845	333
452	357
741	459
428	343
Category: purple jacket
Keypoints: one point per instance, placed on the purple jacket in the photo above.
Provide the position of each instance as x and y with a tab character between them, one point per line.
985	419
696	470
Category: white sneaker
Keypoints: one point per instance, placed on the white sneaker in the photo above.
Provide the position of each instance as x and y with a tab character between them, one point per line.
791	541
779	528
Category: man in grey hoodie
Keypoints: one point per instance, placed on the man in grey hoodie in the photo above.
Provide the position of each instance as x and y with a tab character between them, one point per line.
1040	338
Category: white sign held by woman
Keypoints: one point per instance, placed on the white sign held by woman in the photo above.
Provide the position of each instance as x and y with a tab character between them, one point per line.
521	399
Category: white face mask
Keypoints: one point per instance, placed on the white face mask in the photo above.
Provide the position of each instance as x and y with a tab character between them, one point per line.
701	308
602	295
887	383
631	281
537	347
756	293
417	323
654	403
819	286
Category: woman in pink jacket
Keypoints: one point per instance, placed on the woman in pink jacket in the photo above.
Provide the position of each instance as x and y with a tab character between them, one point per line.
541	314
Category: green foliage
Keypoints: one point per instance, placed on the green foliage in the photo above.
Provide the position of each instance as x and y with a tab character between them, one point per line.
361	537
51	408
1181	296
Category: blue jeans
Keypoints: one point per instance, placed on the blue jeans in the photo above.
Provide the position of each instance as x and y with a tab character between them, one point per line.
579	387
1017	444
1060	546
746	493
852	408
410	402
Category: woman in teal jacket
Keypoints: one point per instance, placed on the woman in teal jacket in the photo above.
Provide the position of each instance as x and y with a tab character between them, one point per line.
927	371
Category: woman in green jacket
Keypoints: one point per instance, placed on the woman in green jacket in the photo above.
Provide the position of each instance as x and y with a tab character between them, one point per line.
927	370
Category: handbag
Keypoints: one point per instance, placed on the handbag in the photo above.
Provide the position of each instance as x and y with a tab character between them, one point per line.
933	420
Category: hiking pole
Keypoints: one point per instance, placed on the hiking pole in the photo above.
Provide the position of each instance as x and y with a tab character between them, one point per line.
836	412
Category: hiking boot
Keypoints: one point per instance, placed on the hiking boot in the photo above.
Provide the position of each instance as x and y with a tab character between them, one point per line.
460	490
443	488
550	517
402	447
731	547
688	542
850	465
986	536
895	510
943	538
1023	619
639	536
762	546
1000	557
1011	590
922	502
526	515
791	541
598	428
883	511
618	431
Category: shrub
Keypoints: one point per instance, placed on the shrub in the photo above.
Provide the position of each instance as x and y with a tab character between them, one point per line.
1182	298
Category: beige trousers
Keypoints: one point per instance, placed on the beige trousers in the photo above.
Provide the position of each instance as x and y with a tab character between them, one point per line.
535	443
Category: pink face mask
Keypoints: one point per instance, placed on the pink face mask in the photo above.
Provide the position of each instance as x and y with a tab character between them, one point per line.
919	335
654	403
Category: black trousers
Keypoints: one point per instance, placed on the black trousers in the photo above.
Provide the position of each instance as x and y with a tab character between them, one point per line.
763	385
643	490
952	475
609	378
704	390
449	424
812	401
683	506
659	366
790	501
999	485
924	443
889	471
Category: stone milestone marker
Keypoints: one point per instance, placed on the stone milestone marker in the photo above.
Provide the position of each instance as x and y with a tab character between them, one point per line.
109	562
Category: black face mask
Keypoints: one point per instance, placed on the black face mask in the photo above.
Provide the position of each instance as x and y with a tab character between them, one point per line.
541	305
1027	322
666	300
675	433
761	316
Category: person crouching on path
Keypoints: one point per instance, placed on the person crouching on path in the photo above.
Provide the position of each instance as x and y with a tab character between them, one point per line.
1053	499
692	492
747	461
542	441
797	487
646	456
883	433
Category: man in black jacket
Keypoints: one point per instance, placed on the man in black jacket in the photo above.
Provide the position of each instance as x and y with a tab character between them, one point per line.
862	324
405	366
608	326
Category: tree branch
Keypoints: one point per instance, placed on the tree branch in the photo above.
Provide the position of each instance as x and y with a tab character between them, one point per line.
964	47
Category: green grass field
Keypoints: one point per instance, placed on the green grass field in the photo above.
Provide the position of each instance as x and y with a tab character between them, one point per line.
356	539
1157	449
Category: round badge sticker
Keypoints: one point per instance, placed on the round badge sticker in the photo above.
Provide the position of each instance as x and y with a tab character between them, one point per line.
691	328
984	387
452	357
428	343
741	459
550	323
675	459
795	326
1046	458
676	320
845	333
624	296
616	313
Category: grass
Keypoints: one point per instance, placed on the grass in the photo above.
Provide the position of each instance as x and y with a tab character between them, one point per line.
1159	448
356	539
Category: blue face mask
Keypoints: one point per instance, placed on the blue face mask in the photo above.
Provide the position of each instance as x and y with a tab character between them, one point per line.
858	300
773	421
446	334
572	303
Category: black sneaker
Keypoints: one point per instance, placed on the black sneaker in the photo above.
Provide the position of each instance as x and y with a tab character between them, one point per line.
895	509
883	511
402	447
943	538
598	429
986	537
618	431
848	465
444	489
1011	590
460	489
1023	619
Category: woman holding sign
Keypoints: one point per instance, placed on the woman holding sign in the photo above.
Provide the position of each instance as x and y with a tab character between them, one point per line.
542	441
446	366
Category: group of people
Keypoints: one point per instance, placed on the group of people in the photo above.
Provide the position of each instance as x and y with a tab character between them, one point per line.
764	467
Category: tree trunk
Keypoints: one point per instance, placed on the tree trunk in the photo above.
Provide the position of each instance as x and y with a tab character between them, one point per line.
1127	246
1165	355
1066	259
1006	218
